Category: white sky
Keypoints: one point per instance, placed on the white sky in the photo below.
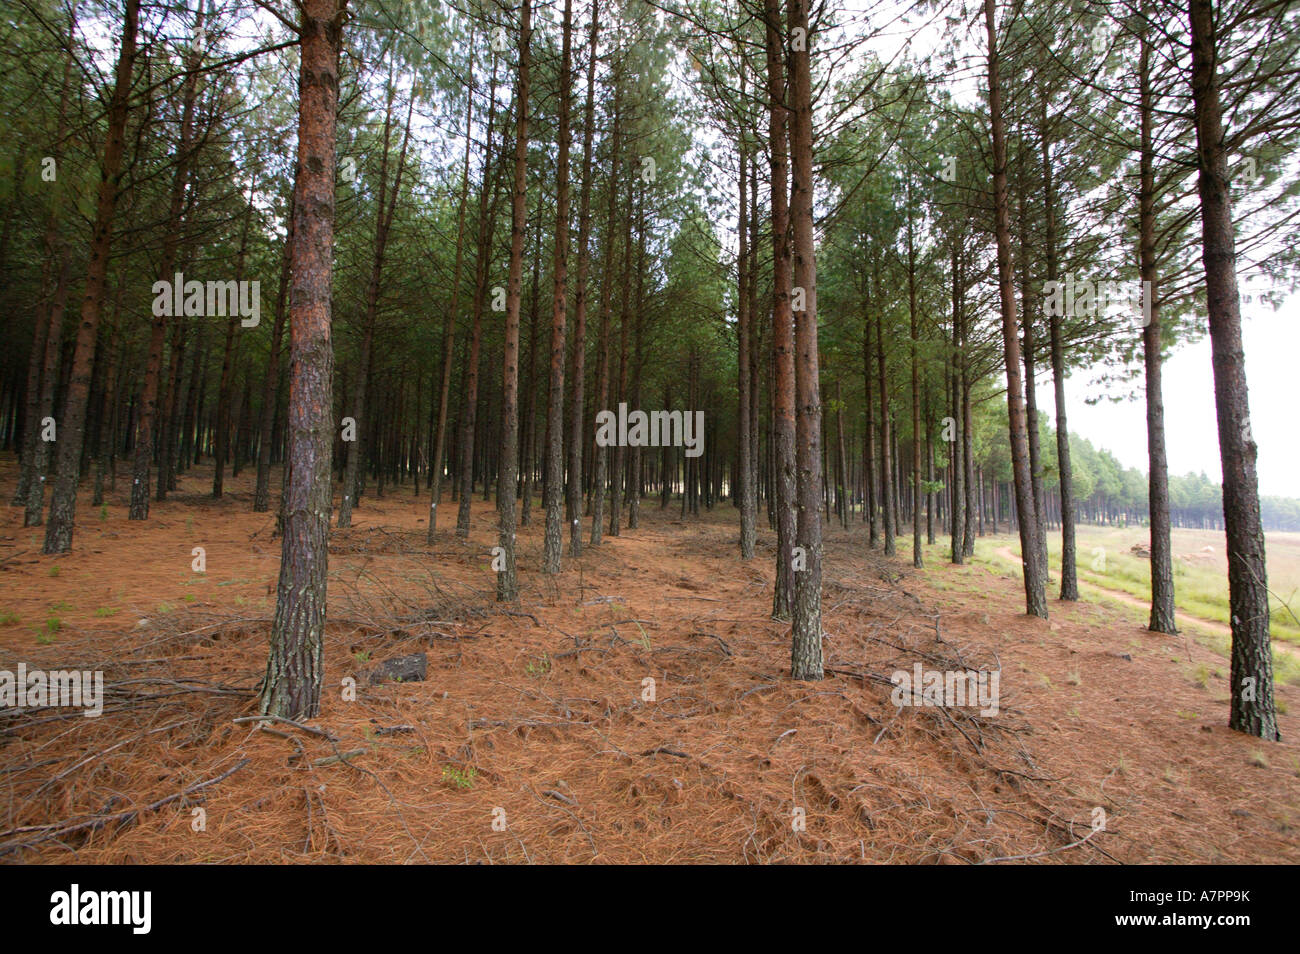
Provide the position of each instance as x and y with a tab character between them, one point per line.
1271	340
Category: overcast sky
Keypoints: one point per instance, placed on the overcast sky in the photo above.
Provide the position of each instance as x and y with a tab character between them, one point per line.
1272	341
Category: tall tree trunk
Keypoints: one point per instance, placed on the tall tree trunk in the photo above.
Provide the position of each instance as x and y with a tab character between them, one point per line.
917	558
602	357
527	411
507	576
469	407
63	503
842	492
386	206
1069	571
1163	619
271	384
869	442
624	320
743	319
150	423
449	330
957	552
1029	356
968	442
49	379
783	381
553	490
1035	592
634	474
806	635
294	668
577	367
1253	708
55	271
886	439
227	375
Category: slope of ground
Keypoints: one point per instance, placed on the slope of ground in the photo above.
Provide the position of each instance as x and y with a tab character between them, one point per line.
538	735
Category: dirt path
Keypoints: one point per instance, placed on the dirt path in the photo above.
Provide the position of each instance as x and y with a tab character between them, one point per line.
1213	626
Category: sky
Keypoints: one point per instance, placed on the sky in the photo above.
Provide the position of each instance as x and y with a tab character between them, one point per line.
1271	340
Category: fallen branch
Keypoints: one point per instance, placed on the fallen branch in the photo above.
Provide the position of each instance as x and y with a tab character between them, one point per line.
94	824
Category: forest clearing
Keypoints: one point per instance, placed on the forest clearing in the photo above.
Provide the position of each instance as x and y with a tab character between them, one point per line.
538	710
648	432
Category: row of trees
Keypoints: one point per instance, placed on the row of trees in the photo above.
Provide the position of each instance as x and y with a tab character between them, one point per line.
500	221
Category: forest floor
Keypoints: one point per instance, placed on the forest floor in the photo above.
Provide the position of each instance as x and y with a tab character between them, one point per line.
534	737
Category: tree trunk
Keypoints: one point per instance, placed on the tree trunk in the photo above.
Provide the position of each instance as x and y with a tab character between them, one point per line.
873	515
806	635
386	204
1163	619
1035	593
469	407
63	503
227	375
1253	708
886	467
602	357
957	551
914	336
507	577
553	490
150	424
271	384
449	330
743	319
783	383
294	668
577	369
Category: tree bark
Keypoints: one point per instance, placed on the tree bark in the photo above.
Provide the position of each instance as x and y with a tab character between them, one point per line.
63	503
271	384
743	319
806	635
507	576
1035	593
553	490
150	424
386	207
294	668
1253	710
449	331
1163	618
783	383
469	407
577	368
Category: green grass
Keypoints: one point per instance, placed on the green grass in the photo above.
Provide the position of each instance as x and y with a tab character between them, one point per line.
105	611
1200	579
52	626
8	618
458	777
